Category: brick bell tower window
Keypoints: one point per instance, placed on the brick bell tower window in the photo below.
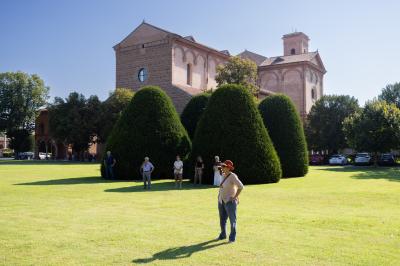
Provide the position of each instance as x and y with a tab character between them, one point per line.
313	94
189	74
142	74
293	51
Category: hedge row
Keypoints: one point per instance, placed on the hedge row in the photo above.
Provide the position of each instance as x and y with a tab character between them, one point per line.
226	123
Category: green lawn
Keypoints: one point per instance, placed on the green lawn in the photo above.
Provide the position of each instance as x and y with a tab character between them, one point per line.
63	214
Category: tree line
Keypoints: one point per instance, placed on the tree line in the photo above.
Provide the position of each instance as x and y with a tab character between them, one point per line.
336	122
75	120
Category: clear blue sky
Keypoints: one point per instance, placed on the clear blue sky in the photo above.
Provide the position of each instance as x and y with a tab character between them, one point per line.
69	43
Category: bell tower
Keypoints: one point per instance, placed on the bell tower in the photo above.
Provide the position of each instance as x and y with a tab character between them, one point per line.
295	43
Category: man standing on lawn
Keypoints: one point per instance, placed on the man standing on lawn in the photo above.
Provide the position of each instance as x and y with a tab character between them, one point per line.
147	168
109	163
228	199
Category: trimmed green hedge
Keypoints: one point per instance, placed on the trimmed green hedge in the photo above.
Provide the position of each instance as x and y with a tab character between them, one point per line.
232	128
283	123
193	111
149	126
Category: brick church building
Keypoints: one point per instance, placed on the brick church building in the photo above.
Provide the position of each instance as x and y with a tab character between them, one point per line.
183	67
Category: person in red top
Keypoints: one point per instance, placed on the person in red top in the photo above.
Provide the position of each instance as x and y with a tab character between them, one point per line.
228	199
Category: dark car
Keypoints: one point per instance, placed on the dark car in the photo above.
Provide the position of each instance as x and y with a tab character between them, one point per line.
386	159
316	159
25	155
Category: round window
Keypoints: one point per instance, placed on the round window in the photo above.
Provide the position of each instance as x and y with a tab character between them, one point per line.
142	75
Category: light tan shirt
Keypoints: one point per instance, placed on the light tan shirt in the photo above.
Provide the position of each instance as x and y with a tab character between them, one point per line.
229	188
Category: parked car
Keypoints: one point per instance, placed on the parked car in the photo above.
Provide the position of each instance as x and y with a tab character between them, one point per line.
363	158
316	159
387	159
42	156
28	155
338	159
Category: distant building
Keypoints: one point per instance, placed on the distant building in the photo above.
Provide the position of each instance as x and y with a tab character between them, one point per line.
4	144
183	67
46	144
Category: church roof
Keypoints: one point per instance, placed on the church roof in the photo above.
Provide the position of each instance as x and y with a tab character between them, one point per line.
312	57
146	32
256	58
190	38
279	60
297	33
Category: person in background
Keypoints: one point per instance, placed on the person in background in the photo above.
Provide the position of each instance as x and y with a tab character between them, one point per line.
147	168
109	163
217	171
198	170
178	171
228	199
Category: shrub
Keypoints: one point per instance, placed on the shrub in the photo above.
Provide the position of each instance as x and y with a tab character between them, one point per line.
149	126
193	111
286	131
232	128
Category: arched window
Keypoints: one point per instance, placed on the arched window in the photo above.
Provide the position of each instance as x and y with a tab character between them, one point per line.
313	94
142	74
293	51
189	74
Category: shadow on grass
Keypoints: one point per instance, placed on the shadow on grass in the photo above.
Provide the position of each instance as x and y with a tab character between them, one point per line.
138	185
368	172
180	252
157	186
70	181
44	162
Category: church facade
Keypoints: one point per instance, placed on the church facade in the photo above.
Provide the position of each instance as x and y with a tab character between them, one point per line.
183	67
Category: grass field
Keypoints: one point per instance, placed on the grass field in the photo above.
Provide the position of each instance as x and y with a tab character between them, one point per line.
64	214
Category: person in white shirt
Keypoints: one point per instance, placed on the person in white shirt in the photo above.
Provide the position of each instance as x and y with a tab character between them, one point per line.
178	171
147	168
217	171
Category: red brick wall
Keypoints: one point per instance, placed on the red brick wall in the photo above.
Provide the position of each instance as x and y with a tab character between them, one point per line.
156	57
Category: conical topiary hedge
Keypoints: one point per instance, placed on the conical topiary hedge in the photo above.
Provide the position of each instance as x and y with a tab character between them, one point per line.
232	128
286	131
149	126
193	111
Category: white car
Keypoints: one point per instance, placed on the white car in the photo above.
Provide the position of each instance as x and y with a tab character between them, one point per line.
338	159
42	155
362	158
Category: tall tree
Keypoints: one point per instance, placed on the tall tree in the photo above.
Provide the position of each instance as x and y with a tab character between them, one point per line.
73	120
324	129
283	124
149	126
193	111
375	128
238	71
21	95
111	110
232	128
391	94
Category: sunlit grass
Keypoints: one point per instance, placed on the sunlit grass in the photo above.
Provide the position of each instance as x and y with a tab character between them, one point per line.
63	214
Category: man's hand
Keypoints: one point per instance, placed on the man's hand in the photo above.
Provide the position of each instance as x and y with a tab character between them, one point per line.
235	198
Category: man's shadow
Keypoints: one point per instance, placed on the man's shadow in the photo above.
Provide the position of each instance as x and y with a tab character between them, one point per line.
180	252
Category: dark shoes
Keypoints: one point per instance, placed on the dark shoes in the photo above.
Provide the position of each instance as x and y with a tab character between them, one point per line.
221	237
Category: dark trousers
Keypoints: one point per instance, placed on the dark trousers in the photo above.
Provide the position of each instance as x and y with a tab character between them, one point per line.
227	210
109	172
147	179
